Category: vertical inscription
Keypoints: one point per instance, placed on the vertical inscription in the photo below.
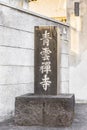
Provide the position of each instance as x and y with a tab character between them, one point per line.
45	67
45	60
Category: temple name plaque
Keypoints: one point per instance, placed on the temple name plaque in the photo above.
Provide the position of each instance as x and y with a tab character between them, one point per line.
46	60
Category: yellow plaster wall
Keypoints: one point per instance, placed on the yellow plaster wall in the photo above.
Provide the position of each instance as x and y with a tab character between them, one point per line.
50	8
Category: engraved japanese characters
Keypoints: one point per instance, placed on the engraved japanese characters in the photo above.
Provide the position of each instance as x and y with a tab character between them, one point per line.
45	60
45	67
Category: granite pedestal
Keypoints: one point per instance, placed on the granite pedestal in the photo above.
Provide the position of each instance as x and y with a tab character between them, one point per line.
42	110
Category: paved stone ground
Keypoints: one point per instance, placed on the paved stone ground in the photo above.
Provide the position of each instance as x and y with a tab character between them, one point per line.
79	123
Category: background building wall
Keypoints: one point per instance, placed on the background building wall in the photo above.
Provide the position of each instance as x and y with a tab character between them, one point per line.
18	3
78	49
50	8
78	53
17	55
54	9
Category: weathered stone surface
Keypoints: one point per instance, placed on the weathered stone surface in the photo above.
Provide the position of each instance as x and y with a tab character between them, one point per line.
46	62
28	111
58	112
44	110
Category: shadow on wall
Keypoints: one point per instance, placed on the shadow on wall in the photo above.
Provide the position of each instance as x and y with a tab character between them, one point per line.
78	76
74	59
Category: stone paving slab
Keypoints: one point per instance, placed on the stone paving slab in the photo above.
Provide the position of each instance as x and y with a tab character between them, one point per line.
80	122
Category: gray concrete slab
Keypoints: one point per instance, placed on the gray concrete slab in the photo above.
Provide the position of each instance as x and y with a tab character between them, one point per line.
79	123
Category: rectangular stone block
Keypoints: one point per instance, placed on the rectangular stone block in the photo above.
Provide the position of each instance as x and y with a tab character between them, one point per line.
58	111
16	56
42	110
64	62
16	74
64	87
16	38
64	74
64	47
28	111
45	57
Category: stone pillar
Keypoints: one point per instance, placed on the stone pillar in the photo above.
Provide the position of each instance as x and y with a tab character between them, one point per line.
46	60
45	107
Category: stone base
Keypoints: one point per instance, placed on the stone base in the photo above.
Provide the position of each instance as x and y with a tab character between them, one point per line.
42	110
